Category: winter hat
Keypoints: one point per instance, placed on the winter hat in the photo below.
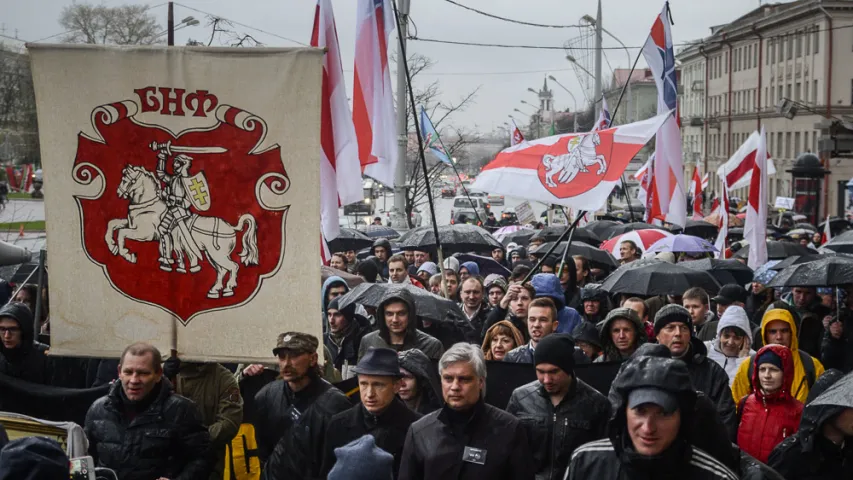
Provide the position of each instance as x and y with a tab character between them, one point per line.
730	294
586	332
672	313
557	349
550	262
430	267
368	270
361	459
33	458
451	263
769	356
473	268
495	280
511	246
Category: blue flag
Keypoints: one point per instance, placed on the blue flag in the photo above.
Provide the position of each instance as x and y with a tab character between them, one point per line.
431	138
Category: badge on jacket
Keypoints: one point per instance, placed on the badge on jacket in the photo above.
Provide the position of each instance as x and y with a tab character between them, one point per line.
474	455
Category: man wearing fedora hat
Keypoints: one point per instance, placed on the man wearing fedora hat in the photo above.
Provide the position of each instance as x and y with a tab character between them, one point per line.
381	414
299	399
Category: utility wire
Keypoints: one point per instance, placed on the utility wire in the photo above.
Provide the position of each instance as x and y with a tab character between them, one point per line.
244	25
510	20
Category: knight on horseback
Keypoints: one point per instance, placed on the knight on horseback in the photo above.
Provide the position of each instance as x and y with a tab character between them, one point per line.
174	232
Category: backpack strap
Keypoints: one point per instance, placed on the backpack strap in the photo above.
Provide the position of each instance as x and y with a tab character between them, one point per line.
749	370
808	366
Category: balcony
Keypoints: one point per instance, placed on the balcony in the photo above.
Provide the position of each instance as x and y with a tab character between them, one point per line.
697	121
697	86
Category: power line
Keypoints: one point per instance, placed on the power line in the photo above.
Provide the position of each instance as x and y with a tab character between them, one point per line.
520	22
244	25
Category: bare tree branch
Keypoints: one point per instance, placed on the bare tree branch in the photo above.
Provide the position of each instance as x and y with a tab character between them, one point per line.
122	25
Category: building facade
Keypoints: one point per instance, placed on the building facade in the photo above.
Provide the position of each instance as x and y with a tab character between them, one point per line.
732	81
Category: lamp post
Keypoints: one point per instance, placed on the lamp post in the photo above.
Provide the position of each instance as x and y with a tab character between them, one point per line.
575	100
538	115
591	21
186	22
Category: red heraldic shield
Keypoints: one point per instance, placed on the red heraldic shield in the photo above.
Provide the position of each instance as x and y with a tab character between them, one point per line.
183	220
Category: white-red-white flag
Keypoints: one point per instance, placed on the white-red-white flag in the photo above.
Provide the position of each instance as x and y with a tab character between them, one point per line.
644	175
706	179
340	170
755	227
724	221
577	170
827	233
738	169
373	100
696	193
515	135
669	199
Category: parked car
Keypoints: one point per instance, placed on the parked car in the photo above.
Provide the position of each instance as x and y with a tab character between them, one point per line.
448	191
495	199
479	203
467	215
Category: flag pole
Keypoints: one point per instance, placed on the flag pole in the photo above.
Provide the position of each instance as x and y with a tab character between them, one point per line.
565	234
405	65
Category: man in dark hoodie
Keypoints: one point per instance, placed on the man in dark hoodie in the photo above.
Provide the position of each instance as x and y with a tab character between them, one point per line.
822	448
594	302
346	329
33	458
621	334
381	249
20	355
333	288
420	387
396	318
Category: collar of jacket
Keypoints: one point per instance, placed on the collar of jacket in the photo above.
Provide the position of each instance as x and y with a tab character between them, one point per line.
311	391
351	329
390	414
115	401
673	459
480	308
570	394
450	417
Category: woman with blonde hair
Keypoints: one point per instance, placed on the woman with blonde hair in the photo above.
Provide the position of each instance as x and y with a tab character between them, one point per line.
500	339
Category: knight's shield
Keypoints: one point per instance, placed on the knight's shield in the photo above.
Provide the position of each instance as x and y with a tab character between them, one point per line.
197	191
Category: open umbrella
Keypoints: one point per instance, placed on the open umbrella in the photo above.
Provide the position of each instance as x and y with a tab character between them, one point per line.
798	233
658	278
798	259
596	256
630	227
734	220
840	394
602	228
724	271
840	244
520	237
824	272
487	265
701	228
380	231
805	226
682	244
642	238
454	238
352	280
500	233
551	234
778	250
428	305
350	239
836	225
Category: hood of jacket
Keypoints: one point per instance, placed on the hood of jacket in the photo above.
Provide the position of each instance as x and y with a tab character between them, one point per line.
33	458
548	285
735	316
418	364
787	373
331	281
381	242
21	314
785	316
472	268
621	313
396	294
586	332
814	416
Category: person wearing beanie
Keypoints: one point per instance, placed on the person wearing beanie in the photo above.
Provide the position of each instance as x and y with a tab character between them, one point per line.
361	459
733	343
769	414
33	458
560	411
368	270
496	287
468	269
674	330
381	413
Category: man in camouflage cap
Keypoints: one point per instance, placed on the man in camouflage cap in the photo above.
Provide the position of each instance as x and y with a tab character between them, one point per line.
299	396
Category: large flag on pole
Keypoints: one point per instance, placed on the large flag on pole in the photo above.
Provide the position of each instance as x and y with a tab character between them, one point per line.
603	117
577	170
738	170
340	170
724	222
696	193
431	139
669	191
515	135
373	102
755	227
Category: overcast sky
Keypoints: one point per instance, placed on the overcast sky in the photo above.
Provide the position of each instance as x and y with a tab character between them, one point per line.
459	69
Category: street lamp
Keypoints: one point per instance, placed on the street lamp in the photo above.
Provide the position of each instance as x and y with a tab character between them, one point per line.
573	60
575	100
589	19
186	22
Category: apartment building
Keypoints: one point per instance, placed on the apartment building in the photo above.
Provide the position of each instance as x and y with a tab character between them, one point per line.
733	80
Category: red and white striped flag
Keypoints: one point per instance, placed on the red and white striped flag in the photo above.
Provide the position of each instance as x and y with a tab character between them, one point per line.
373	100
724	221
515	136
738	170
668	194
755	227
706	179
696	193
644	176
827	233
27	178
340	171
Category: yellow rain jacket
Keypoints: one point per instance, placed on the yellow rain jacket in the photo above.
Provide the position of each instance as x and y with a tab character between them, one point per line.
800	387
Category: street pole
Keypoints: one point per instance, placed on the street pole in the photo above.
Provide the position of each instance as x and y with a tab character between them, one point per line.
598	53
170	25
398	220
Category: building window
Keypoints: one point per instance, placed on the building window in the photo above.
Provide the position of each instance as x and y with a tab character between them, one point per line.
779	143
766	97
787	145
814	93
790	47
771	51
788	91
808	40
806	91
797	92
755	55
779	94
816	39
799	44
781	50
726	63
796	143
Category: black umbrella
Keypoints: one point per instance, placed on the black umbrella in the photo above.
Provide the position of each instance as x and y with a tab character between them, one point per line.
602	227
840	394
487	265
598	257
629	227
804	225
551	234
658	278
840	244
428	305
454	238
521	237
380	231
798	259
350	239
778	250
701	229
824	272
724	271
836	224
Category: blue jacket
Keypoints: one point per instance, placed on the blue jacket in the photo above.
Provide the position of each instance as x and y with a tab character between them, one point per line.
548	285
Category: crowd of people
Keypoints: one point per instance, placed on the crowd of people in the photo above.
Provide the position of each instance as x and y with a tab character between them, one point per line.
740	384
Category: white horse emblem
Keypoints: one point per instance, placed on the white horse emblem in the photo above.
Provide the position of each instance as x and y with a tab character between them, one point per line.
581	154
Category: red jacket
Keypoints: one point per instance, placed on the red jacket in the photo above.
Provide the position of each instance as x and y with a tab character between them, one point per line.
766	420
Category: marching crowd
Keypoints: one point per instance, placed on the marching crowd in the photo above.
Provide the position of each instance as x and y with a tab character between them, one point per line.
748	383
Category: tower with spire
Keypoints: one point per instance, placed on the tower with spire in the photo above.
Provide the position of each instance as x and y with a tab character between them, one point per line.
546	99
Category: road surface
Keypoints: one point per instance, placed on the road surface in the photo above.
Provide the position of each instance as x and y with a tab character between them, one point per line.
22	211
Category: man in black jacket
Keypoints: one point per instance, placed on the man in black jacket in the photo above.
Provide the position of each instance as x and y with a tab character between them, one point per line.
653	400
674	330
467	439
837	347
345	331
142	429
380	414
20	355
292	413
559	411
